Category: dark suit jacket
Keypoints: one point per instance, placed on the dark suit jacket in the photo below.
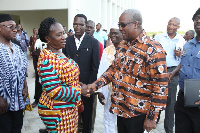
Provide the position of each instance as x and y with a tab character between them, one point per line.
87	57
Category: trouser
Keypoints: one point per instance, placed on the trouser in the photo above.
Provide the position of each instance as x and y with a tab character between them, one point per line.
11	122
87	113
109	118
131	125
187	119
38	88
94	111
171	100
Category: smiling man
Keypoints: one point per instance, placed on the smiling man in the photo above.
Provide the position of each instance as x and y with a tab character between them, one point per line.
84	50
13	85
172	43
138	75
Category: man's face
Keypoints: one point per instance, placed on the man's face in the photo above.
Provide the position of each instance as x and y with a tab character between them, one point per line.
35	31
116	36
98	26
197	24
172	27
90	28
8	30
19	27
187	36
127	28
79	26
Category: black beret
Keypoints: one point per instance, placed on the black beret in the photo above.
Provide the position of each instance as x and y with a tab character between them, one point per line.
196	13
5	17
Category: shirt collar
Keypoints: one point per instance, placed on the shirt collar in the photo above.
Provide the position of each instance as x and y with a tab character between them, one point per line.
176	37
80	38
194	41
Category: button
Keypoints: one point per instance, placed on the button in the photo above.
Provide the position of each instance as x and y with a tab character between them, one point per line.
76	54
188	65
191	54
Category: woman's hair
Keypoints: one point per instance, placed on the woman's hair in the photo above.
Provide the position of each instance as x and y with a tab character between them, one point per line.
45	28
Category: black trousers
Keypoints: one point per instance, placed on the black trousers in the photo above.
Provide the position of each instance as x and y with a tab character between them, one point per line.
87	113
131	125
11	122
38	88
187	119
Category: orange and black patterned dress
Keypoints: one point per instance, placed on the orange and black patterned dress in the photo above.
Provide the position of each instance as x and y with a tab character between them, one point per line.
58	104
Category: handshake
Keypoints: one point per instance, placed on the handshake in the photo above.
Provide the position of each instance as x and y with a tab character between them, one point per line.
87	90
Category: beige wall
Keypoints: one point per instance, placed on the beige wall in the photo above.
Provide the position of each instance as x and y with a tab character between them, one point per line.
32	19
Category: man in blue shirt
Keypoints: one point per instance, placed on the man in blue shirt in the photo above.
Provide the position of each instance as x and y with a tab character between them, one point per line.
172	43
100	35
187	119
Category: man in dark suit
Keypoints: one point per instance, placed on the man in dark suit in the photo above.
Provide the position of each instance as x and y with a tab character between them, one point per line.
84	50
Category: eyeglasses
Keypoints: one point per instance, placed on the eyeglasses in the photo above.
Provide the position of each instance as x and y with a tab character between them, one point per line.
124	24
12	27
196	19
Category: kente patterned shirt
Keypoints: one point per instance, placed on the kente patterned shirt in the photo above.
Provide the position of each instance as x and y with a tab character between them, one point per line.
12	76
60	81
139	78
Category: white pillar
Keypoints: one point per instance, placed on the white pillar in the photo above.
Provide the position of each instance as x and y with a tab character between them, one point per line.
71	13
104	14
114	12
110	16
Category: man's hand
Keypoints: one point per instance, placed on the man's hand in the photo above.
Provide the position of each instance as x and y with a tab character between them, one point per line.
198	102
101	98
25	93
3	105
170	75
84	90
177	52
149	125
92	88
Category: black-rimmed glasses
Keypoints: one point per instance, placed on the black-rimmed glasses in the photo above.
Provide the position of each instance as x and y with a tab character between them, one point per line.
12	27
124	24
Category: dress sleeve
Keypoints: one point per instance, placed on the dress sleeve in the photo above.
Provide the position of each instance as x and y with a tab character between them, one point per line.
53	86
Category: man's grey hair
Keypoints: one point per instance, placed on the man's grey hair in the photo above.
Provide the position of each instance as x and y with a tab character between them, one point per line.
135	14
191	32
176	19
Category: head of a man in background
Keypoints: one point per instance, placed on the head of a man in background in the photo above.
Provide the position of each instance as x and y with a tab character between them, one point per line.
90	27
189	35
79	25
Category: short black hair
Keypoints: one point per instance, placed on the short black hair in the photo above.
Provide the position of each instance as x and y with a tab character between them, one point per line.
83	16
45	28
196	13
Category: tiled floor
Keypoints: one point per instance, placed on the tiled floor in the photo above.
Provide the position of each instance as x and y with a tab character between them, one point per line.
32	122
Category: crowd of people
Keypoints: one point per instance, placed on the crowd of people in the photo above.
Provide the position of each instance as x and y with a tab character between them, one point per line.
133	75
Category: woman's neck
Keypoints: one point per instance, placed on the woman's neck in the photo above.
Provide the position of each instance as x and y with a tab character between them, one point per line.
49	47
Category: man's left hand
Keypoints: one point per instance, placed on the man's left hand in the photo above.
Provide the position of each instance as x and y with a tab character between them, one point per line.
149	125
177	52
25	93
198	102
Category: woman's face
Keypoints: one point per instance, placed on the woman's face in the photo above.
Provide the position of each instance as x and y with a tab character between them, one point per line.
56	36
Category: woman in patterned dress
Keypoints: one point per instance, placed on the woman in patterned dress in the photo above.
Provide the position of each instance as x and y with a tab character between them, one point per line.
58	104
